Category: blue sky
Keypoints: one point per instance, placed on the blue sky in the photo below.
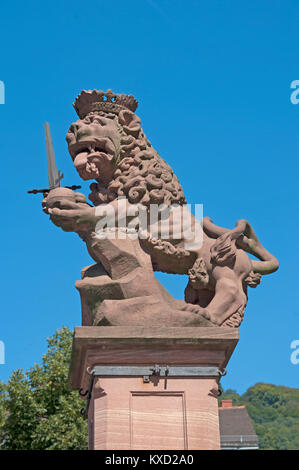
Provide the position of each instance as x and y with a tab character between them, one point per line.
213	83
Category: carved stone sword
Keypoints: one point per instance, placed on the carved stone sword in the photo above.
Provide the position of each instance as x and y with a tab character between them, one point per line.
54	176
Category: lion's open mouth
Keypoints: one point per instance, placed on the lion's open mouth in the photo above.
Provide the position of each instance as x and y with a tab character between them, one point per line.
94	160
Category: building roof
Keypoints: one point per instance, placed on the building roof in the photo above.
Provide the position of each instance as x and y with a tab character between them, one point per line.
236	429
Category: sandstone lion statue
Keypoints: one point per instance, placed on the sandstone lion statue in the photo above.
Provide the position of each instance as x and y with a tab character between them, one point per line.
108	145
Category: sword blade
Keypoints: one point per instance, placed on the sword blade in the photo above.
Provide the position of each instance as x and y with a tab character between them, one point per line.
53	175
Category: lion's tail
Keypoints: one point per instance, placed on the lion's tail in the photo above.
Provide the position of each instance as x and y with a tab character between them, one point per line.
224	249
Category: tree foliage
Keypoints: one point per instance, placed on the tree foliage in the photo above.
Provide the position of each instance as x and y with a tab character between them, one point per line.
37	409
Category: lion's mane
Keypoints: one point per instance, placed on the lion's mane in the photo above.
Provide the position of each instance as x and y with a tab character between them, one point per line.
141	175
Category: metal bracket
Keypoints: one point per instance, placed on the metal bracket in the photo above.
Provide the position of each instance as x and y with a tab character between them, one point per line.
157	370
147	372
155	373
87	393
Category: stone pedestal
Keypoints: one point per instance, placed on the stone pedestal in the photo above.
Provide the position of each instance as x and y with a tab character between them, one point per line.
151	388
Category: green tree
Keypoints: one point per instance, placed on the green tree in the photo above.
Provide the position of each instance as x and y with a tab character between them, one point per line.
37	409
3	398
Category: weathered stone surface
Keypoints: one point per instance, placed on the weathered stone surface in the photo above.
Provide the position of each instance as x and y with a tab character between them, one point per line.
127	414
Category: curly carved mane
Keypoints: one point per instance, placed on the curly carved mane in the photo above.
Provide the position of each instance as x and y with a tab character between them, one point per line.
141	175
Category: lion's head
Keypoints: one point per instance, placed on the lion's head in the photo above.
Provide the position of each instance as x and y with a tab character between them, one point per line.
108	144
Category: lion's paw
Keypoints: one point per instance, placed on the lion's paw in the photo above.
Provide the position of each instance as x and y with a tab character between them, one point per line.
196	309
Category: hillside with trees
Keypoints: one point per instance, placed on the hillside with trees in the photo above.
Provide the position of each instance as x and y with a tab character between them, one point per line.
274	411
39	412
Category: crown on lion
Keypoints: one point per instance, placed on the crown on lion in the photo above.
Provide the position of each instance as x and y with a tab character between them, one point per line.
89	101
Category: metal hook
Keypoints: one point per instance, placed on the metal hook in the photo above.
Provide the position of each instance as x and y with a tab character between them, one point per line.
222	372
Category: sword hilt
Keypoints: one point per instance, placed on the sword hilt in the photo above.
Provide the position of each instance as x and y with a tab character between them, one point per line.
47	190
36	191
73	187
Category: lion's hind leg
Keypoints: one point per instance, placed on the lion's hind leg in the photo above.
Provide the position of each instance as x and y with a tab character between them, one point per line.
198	292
